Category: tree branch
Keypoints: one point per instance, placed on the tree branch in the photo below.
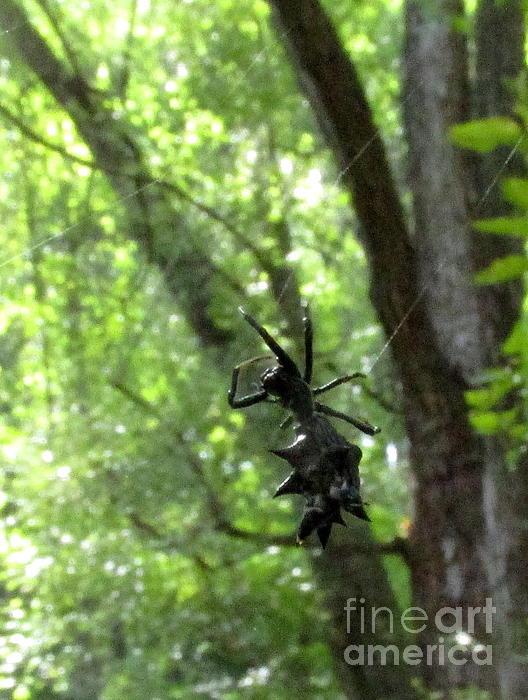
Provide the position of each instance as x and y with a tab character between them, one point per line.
124	78
337	96
56	24
37	138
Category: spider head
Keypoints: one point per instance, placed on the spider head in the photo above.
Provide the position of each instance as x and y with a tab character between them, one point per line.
292	390
276	381
284	380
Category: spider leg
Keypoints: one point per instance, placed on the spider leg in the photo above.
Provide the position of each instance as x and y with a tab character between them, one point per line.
361	425
308	343
243	401
282	356
337	382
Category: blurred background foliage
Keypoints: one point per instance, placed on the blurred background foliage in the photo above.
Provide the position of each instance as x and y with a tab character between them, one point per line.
122	463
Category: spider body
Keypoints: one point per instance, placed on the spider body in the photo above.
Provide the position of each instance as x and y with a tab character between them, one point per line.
325	465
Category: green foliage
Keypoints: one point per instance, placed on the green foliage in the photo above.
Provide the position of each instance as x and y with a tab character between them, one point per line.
515	191
491	409
117	444
490	405
503	269
484	135
505	225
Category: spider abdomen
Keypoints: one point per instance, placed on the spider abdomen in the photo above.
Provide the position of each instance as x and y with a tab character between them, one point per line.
326	472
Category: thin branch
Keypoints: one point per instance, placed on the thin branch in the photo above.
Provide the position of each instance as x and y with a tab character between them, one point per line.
28	131
136	399
228	528
124	77
240	237
141	524
386	405
56	24
398	546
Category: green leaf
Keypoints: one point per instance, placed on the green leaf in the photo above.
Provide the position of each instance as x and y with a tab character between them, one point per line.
486	397
385	522
487	423
505	225
503	269
516	341
490	422
484	135
519	432
515	191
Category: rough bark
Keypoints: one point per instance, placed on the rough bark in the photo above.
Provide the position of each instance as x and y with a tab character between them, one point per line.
499	60
343	573
447	191
446	338
436	96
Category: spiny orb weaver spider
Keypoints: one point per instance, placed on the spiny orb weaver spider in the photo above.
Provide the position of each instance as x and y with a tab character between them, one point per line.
325	465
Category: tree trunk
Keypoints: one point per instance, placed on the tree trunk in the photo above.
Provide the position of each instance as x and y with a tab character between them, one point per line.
500	57
344	573
423	281
447	190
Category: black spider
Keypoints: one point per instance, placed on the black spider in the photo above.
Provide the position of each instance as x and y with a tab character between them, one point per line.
325	464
